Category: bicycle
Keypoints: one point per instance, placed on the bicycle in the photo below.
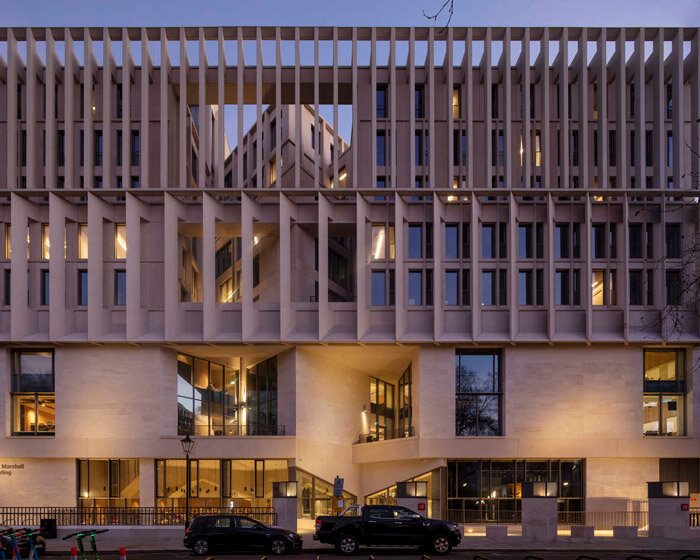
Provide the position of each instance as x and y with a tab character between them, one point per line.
93	544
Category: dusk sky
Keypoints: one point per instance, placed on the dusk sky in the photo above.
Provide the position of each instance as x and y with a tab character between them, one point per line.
609	13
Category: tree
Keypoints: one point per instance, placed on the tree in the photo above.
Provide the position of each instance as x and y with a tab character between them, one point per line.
447	8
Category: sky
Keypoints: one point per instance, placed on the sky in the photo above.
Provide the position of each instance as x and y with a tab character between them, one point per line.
500	13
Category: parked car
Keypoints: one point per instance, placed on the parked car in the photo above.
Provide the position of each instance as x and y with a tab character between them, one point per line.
23	542
386	526
207	533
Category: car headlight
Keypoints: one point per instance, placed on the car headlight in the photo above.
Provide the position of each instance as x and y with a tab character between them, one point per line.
291	536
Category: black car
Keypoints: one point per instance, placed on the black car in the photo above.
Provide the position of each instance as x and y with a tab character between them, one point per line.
237	532
23	542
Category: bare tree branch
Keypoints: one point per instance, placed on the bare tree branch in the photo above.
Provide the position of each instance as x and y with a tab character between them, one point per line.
448	7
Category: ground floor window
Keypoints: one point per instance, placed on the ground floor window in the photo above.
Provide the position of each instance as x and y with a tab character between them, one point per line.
218	482
316	497
108	482
489	491
387	496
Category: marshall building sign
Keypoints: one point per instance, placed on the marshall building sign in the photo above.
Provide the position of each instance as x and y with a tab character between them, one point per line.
6	469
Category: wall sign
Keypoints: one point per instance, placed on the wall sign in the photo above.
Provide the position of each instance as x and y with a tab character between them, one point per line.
6	469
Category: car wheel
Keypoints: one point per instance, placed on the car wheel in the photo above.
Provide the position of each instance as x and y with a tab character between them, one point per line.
441	544
201	547
347	544
278	546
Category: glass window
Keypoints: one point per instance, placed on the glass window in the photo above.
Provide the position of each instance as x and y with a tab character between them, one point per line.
82	241
415	241
120	287
478	393
378	287
635	241
525	287
525	241
488	287
381	147
82	287
119	241
598	287
636	287
382	101
673	241
419	101
488	241
261	389
673	287
45	241
598	234
415	287
451	287
456	103
378	242
45	287
561	241
451	241
108	482
664	392
562	287
33	400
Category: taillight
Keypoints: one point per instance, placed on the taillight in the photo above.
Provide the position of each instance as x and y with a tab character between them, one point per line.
188	531
318	525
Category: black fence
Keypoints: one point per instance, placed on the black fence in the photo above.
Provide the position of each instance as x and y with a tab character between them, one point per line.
695	517
387	434
133	516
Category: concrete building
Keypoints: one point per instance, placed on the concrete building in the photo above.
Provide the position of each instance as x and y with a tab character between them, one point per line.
493	282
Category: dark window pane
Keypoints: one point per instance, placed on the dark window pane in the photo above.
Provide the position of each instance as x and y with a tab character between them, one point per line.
378	287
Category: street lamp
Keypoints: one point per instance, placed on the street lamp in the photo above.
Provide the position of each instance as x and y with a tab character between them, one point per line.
187	445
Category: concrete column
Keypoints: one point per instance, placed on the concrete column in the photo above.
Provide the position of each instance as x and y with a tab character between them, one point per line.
286	510
147	481
539	519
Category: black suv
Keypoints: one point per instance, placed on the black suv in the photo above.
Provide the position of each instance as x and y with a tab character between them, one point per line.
236	532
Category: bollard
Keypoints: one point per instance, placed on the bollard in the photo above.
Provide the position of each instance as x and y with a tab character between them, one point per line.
73	553
122	553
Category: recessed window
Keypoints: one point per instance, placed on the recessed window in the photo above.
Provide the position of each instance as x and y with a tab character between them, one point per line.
664	392
415	241
120	287
525	241
45	242
478	409
378	287
82	287
456	103
33	397
415	287
119	241
382	101
45	287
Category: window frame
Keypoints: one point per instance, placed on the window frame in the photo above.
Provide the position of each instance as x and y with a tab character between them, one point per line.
16	392
498	362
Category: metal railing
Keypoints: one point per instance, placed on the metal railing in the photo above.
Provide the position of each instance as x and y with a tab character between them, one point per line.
388	434
250	429
133	516
695	517
605	520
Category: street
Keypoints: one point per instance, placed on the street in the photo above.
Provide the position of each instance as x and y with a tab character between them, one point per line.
403	554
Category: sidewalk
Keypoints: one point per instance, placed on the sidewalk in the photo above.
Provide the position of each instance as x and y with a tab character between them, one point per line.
142	539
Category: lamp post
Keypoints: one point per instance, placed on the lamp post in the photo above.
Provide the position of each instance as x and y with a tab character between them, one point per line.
187	445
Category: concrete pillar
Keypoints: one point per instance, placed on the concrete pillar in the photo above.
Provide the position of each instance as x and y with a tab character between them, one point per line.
539	511
669	514
284	501
147	480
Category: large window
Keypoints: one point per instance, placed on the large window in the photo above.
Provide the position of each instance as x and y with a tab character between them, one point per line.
218	483
486	491
381	410
405	408
33	397
479	393
664	392
207	398
261	390
108	483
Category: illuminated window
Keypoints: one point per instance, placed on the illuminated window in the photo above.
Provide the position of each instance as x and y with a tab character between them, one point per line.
273	170
8	245
378	242
119	241
598	287
664	392
456	103
45	241
33	398
82	241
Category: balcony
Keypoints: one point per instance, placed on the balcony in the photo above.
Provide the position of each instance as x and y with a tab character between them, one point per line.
385	435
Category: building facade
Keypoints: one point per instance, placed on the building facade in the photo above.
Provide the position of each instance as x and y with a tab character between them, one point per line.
492	281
